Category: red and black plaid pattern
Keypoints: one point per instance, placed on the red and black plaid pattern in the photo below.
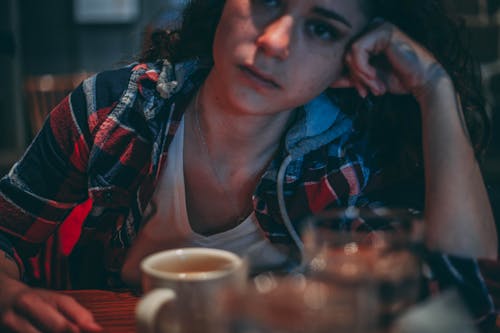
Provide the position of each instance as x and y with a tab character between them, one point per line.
103	147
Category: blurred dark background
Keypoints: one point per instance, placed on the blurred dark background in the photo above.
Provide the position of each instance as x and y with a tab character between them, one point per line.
482	18
45	37
40	37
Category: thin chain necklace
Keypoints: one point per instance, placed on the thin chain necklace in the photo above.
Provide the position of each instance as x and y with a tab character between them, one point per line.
234	206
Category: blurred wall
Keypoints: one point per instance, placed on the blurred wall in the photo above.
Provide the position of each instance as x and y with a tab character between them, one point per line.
40	37
12	134
53	43
482	17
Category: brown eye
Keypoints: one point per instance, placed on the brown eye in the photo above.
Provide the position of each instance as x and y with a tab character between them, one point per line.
322	30
269	3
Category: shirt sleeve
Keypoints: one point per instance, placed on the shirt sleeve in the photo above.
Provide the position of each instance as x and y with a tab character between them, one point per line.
462	274
44	186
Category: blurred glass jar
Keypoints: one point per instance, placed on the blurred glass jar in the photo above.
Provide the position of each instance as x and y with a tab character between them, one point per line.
298	304
359	249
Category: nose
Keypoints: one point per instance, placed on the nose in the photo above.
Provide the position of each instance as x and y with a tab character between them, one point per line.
275	40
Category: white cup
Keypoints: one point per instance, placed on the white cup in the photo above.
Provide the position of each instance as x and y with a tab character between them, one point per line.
181	287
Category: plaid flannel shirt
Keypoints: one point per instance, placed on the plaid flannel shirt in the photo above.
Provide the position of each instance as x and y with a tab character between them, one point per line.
105	144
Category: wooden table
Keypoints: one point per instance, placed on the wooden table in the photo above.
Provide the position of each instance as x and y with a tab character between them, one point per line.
114	311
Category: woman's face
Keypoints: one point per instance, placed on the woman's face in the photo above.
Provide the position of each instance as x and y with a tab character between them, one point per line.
274	55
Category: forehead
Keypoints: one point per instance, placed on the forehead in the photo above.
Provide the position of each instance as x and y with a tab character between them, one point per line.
352	10
343	5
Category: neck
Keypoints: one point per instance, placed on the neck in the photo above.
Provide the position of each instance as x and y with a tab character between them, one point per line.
236	140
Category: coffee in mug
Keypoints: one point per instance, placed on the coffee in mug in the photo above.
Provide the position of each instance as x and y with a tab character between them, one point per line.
181	287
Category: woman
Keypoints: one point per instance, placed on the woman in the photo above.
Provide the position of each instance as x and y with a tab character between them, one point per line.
237	145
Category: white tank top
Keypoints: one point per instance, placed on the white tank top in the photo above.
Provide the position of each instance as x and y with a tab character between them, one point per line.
171	222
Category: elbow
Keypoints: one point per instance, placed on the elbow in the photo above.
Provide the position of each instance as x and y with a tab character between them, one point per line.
464	245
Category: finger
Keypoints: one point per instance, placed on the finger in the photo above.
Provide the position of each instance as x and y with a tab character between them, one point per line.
343	82
358	80
373	43
16	324
42	314
358	59
395	85
375	86
77	313
362	91
349	81
370	81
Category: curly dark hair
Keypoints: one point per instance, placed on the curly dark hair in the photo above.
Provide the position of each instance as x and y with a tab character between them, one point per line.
426	21
194	39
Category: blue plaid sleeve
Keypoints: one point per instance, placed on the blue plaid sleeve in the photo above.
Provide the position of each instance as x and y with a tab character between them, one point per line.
464	275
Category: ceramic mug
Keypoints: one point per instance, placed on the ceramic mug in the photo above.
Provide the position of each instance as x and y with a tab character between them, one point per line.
181	288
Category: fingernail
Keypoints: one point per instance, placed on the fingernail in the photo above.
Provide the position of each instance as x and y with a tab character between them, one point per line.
363	93
380	87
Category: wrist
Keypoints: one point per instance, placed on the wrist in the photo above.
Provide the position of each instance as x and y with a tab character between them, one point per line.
9	281
9	287
435	88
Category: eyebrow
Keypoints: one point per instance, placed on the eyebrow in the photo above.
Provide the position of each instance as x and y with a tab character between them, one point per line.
331	15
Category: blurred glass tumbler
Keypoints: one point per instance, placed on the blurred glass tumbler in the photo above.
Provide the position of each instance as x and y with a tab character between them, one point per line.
343	248
297	304
181	287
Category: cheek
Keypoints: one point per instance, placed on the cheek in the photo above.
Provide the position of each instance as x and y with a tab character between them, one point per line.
323	70
231	35
221	34
336	60
308	89
226	27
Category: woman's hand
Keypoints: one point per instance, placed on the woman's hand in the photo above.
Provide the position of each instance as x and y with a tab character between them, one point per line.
458	216
27	310
386	60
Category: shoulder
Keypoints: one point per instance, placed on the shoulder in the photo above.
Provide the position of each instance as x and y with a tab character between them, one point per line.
100	94
109	86
145	80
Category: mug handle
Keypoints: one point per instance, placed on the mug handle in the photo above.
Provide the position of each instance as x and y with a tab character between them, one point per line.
148	307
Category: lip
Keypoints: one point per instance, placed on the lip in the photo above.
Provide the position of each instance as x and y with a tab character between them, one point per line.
257	76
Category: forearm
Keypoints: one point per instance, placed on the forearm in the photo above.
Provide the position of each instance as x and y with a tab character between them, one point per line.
9	279
458	215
